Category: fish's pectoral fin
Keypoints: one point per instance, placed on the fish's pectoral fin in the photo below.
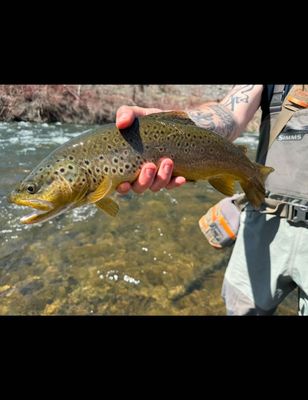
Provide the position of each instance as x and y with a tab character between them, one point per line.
224	184
109	206
103	189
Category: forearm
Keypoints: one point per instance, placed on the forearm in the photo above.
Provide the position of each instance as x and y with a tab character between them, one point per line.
217	118
230	117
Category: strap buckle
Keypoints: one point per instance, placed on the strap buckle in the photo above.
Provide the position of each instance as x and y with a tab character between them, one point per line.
298	213
276	101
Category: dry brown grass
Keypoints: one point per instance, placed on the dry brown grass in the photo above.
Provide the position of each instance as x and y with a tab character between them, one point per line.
96	104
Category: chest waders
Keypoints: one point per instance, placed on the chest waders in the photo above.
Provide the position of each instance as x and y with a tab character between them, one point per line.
283	145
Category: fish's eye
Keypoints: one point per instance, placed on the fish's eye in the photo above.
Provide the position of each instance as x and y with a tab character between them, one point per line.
31	188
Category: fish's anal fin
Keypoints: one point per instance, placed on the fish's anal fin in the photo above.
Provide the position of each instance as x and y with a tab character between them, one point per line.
103	190
109	206
224	184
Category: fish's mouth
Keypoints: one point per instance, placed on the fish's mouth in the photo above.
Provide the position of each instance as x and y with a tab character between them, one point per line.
35	216
43	216
42	210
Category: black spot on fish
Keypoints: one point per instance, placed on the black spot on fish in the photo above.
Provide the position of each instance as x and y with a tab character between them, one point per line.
101	157
83	179
62	170
70	180
127	166
70	167
113	170
98	170
115	160
90	172
87	162
71	157
121	170
106	169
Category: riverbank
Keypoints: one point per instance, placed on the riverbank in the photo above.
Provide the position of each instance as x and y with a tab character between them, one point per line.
97	104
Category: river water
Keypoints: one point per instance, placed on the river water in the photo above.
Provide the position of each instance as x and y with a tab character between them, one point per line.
152	259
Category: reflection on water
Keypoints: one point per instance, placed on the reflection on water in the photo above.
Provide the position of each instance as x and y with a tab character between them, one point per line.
151	259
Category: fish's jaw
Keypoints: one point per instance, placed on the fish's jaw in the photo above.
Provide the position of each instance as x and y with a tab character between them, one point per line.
43	216
38	204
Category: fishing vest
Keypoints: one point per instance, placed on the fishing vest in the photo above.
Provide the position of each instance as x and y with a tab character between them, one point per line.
288	154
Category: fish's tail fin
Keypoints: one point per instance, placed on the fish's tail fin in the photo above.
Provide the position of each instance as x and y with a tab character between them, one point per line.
254	186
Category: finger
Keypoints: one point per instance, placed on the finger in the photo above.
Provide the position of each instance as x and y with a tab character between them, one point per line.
145	178
126	114
125	117
176	182
124	188
164	174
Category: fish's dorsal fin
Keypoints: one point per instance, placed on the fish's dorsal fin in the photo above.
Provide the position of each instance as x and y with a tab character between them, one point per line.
103	189
109	206
224	184
242	148
175	116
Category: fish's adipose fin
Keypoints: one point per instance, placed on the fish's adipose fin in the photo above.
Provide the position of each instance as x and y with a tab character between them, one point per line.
109	206
224	184
242	147
103	189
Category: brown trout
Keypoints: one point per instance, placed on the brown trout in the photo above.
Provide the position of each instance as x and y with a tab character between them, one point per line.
88	168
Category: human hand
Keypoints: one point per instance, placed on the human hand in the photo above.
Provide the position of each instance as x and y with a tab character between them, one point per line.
151	176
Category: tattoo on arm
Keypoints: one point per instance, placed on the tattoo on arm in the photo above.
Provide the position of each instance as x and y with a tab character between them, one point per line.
239	94
216	118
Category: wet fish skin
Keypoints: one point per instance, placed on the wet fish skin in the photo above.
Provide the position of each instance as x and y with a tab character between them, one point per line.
89	167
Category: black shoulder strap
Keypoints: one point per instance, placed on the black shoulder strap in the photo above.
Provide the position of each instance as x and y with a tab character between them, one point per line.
272	98
277	98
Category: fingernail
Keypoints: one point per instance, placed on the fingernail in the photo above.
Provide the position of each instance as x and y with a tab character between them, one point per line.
149	172
167	168
123	117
